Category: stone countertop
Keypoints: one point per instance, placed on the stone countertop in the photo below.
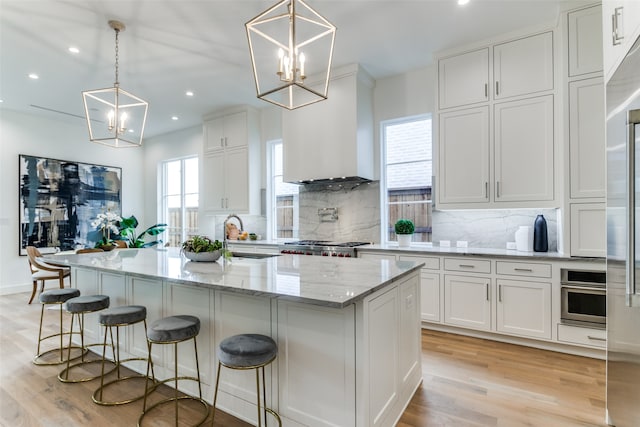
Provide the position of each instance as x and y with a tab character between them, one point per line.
429	249
325	281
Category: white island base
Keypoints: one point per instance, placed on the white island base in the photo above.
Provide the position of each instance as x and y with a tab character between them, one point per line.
356	365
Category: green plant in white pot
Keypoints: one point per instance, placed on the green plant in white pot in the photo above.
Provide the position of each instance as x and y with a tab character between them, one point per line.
404	229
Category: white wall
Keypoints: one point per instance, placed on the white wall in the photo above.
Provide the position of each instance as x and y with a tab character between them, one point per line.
59	138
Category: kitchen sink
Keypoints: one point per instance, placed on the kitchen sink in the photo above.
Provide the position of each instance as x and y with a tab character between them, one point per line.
252	255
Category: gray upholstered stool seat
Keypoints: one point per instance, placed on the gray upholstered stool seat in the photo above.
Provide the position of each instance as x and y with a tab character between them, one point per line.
124	315
59	297
114	318
87	304
78	307
248	351
173	330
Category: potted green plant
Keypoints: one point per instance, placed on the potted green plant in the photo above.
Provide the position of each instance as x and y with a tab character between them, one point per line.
404	229
106	223
202	248
127	228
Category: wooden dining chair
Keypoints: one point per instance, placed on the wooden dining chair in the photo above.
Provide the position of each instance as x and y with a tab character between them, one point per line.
88	250
41	271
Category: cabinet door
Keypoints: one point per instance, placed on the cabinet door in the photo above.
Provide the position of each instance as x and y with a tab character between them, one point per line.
430	297
464	79
213	185
588	229
587	138
523	66
524	308
467	301
464	156
585	41
235	130
524	150
237	179
213	133
620	27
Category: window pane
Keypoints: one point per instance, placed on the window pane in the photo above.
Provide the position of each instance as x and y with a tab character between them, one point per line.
174	179
409	175
191	200
191	176
173	202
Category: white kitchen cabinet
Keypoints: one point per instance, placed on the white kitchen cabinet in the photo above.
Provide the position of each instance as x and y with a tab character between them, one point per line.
430	291
524	308
463	79
523	66
587	138
583	336
588	229
464	156
620	29
227	131
332	138
585	40
524	150
230	170
467	301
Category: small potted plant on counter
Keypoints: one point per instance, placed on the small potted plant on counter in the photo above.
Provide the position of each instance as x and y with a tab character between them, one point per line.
404	229
202	248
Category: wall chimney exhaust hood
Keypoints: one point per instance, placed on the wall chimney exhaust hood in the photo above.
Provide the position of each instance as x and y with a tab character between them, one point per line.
331	142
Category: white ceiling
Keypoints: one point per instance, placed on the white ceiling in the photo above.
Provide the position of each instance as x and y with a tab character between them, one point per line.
170	47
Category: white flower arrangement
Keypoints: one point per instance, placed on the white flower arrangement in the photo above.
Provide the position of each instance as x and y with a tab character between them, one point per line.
106	222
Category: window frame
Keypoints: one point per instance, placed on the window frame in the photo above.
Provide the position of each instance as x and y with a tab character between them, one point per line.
164	208
271	203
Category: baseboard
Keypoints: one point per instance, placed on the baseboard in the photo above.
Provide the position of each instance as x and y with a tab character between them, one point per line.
16	289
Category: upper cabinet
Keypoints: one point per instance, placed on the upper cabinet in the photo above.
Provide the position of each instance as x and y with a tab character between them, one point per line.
464	79
496	137
585	41
231	163
524	66
332	138
620	28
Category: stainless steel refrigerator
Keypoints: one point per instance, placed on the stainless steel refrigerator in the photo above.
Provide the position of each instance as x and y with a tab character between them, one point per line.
623	242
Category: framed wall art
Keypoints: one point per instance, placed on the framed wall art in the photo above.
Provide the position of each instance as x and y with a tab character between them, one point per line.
59	199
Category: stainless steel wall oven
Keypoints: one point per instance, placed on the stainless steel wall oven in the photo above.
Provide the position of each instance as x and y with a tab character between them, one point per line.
584	297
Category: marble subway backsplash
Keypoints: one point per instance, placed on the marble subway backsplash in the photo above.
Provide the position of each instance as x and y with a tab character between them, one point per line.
490	228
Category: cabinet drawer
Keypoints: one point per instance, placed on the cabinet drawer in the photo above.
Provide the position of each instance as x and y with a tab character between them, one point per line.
523	269
583	336
431	263
468	265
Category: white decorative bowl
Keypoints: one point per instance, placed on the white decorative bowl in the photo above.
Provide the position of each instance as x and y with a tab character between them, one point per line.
202	256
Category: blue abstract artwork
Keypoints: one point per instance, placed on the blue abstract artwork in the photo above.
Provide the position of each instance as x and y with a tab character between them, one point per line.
59	199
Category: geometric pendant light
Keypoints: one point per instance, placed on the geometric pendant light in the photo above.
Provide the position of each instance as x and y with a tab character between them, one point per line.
115	117
291	47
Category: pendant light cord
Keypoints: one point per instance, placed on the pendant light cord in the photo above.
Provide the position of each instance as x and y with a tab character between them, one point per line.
117	32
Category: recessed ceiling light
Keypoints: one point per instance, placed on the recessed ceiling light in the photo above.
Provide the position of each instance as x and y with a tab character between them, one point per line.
174	118
189	93
74	49
34	76
463	2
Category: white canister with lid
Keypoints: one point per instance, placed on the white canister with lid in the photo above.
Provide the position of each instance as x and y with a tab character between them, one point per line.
523	238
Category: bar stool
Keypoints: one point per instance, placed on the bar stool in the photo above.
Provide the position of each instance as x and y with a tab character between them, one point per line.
173	330
248	351
116	317
78	307
54	297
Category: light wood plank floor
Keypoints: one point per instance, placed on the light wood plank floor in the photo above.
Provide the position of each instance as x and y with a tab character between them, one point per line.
467	382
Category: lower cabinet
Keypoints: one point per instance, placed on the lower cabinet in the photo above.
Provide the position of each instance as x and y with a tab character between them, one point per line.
467	301
524	308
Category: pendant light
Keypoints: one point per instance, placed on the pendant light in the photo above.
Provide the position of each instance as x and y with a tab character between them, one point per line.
291	47
115	117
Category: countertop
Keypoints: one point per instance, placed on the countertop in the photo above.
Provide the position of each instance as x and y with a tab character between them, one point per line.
326	281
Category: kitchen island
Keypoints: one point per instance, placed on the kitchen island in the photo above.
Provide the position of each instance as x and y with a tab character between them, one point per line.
348	330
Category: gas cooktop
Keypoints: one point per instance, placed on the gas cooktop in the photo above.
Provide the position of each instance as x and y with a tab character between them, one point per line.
326	243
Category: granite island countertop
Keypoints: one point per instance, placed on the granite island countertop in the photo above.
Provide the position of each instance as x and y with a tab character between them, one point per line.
326	281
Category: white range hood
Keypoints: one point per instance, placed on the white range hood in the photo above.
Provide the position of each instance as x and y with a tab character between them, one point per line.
332	140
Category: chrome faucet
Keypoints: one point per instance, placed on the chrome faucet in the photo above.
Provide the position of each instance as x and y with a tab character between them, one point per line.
224	228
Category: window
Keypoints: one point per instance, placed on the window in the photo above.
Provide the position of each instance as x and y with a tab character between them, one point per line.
283	197
179	199
406	170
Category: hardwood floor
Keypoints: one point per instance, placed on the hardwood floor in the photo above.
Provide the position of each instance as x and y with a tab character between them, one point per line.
467	382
